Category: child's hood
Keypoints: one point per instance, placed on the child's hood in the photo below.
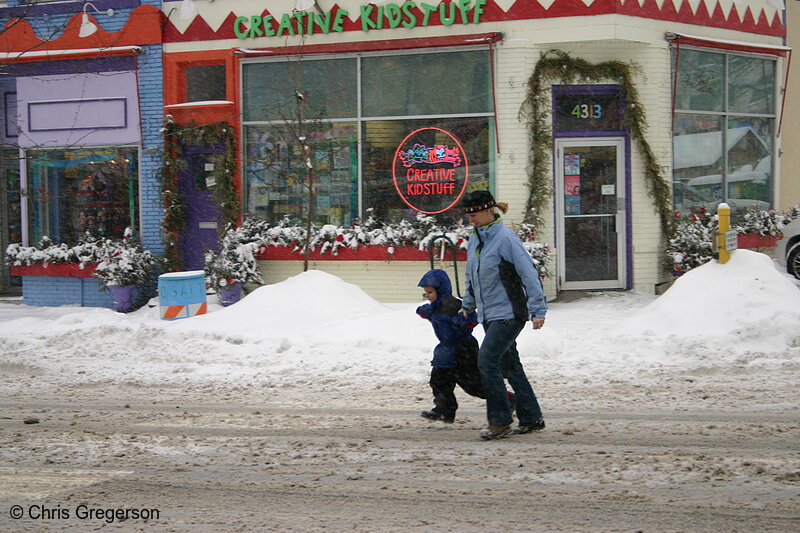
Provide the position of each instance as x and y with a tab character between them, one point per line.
439	280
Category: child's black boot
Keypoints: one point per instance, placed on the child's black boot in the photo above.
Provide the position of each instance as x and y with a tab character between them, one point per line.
435	415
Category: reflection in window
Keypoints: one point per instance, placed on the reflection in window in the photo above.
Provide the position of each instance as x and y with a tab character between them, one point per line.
277	177
724	153
426	84
700	81
697	162
205	82
9	187
328	87
591	248
749	175
73	192
751	87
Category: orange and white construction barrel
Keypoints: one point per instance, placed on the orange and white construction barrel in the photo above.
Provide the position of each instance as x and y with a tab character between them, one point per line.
182	294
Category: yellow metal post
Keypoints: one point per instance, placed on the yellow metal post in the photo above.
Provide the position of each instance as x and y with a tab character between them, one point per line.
724	224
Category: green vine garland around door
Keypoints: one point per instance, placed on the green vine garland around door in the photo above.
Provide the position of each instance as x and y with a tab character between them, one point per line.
558	66
225	194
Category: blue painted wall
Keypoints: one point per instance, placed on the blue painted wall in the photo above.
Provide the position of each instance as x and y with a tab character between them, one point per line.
48	21
56	291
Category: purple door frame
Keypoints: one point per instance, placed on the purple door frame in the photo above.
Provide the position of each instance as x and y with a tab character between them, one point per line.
202	214
601	89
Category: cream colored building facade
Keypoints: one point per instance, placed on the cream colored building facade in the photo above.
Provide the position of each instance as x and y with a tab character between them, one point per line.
790	131
630	32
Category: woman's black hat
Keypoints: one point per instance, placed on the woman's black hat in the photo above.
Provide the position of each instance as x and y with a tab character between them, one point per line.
477	201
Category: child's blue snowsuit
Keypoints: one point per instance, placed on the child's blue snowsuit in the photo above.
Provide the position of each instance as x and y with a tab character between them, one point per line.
455	358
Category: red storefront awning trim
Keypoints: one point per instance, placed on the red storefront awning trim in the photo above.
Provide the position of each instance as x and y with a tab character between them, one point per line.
373	46
722	44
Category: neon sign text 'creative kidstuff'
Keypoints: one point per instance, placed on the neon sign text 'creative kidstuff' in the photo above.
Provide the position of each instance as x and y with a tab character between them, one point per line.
430	177
409	14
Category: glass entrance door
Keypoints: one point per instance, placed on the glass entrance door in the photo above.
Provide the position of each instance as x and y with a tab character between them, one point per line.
590	196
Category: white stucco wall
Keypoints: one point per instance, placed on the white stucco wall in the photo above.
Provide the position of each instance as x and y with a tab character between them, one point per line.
386	281
789	191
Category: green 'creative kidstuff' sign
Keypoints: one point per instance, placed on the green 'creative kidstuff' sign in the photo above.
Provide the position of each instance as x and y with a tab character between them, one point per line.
409	14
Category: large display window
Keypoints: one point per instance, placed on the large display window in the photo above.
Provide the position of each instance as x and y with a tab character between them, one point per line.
327	89
724	131
426	84
278	175
353	113
72	192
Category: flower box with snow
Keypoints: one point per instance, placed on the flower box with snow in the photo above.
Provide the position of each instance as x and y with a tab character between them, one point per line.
235	264
68	270
756	240
124	262
84	270
388	258
367	252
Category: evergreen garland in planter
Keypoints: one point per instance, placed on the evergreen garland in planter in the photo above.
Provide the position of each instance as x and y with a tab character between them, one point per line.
225	194
690	242
174	221
558	66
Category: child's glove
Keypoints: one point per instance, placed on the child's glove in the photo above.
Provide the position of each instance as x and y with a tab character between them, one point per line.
425	311
466	320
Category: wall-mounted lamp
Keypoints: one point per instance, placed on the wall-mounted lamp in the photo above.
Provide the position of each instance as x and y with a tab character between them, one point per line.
87	26
188	9
302	5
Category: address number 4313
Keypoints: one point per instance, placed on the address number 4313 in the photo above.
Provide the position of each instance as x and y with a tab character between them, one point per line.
587	111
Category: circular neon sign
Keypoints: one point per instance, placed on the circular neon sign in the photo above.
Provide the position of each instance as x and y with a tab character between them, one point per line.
430	170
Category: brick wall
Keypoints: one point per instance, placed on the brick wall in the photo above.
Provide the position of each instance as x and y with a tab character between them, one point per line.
516	60
151	96
53	291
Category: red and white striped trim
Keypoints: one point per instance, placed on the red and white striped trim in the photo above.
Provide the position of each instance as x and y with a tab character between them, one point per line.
174	312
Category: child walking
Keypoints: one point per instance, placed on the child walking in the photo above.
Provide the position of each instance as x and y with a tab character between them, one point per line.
455	358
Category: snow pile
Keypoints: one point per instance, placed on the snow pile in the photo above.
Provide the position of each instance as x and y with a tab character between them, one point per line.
745	305
746	294
301	304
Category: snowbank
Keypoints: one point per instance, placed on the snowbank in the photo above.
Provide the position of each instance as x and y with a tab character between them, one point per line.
316	330
302	303
745	306
745	295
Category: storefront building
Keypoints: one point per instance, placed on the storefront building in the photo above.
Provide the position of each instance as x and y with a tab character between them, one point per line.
362	77
595	122
82	108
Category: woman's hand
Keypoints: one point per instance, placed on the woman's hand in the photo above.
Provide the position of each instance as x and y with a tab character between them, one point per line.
537	322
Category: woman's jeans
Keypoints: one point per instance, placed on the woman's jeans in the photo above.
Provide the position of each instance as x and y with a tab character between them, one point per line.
497	359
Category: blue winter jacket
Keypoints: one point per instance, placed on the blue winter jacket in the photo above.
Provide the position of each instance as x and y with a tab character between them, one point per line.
450	326
502	281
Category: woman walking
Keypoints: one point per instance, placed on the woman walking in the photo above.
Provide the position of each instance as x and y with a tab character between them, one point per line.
504	285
